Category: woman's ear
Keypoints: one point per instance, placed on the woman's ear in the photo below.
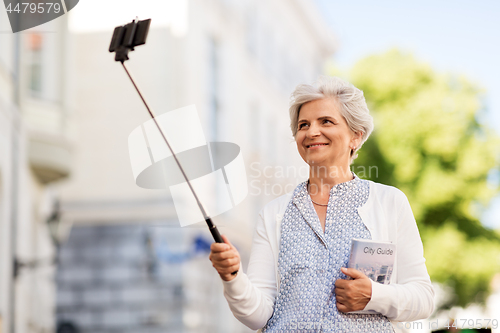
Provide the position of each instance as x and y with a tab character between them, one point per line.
356	139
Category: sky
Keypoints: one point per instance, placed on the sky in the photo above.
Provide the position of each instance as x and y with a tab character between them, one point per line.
112	13
460	36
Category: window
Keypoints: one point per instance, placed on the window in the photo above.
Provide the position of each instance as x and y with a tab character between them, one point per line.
35	48
252	31
255	128
213	88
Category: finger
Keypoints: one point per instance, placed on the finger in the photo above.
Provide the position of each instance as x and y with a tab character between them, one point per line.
343	297
228	262
340	298
225	269
341	307
232	263
233	268
343	303
224	255
341	284
352	272
219	247
217	257
226	240
228	269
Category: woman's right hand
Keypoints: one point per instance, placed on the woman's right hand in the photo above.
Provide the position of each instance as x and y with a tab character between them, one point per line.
225	259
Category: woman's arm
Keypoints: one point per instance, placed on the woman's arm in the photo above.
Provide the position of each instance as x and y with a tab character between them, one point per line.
412	297
251	297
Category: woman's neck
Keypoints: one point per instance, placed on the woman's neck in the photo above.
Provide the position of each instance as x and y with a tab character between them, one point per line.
323	178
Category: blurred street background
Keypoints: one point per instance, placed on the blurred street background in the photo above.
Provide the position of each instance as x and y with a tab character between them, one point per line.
84	249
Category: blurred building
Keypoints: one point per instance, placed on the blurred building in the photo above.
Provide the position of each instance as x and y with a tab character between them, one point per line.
35	153
127	265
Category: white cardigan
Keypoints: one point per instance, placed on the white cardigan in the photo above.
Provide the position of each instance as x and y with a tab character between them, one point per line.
387	215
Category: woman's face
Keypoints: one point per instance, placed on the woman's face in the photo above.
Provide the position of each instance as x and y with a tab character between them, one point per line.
320	122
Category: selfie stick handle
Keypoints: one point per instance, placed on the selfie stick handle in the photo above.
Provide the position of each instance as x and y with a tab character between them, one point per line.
213	229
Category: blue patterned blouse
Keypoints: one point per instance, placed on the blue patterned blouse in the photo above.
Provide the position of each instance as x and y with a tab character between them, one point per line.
310	260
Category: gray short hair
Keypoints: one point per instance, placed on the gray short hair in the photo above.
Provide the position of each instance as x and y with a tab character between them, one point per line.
351	100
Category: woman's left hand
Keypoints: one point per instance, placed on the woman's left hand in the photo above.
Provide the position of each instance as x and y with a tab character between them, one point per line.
353	295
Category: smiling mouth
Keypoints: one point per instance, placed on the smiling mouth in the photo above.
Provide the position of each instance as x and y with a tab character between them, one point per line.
317	145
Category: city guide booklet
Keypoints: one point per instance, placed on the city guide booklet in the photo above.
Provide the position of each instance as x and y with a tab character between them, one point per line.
375	259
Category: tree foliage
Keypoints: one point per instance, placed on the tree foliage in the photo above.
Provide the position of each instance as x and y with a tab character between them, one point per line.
429	143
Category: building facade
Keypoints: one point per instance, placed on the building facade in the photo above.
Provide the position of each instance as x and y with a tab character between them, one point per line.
127	265
35	154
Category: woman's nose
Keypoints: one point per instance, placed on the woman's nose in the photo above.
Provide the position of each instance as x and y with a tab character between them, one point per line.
313	131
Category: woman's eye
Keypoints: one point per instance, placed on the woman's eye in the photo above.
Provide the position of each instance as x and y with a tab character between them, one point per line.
326	120
302	125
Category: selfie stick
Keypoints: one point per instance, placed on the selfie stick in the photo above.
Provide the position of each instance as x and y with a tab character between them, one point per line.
124	39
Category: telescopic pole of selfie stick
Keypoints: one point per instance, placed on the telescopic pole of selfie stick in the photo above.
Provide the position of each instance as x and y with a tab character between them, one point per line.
124	39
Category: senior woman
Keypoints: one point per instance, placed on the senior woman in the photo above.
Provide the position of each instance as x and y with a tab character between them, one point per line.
297	278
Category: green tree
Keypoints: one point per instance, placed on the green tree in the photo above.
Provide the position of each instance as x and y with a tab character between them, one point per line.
429	143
